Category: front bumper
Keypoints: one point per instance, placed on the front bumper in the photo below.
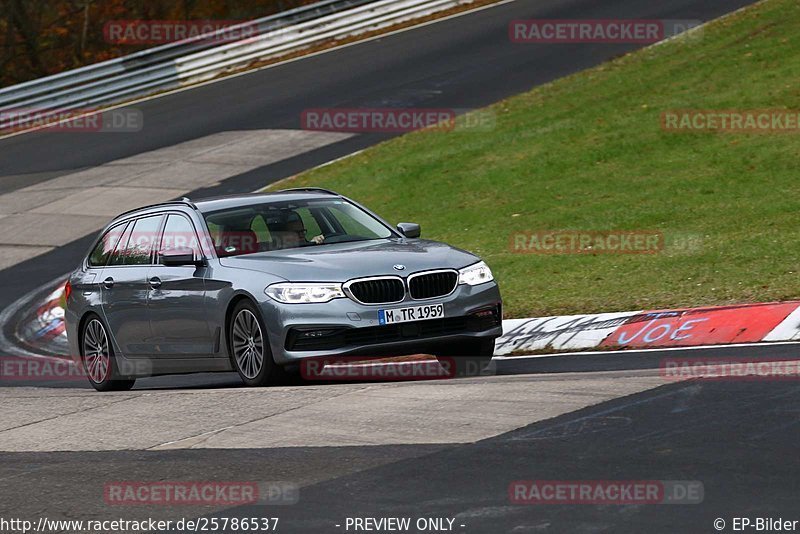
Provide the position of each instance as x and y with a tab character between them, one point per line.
345	327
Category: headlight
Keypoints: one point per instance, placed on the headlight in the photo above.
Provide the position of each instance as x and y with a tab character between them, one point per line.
290	293
475	274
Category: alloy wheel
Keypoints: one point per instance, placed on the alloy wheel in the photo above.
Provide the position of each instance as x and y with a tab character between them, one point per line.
96	353
248	344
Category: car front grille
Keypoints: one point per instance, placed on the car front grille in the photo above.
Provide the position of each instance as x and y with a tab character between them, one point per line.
378	290
432	285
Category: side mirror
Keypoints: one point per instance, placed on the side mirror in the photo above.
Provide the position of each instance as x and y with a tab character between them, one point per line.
410	230
178	256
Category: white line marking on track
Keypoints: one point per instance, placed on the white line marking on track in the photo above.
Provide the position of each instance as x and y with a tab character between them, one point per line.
663	349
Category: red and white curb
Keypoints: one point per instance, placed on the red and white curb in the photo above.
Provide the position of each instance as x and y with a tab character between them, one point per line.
33	326
689	327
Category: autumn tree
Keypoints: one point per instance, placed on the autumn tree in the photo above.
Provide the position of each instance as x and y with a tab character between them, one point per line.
41	37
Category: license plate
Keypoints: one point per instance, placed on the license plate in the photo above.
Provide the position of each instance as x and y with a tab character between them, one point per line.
413	313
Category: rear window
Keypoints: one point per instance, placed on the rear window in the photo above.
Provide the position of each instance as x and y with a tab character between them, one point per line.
138	248
105	247
118	257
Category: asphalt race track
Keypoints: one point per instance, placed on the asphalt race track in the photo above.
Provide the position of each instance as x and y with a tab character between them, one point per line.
432	449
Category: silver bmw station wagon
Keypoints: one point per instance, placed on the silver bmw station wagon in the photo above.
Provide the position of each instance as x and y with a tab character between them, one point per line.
256	283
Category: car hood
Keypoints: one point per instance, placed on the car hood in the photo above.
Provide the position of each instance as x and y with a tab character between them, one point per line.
340	262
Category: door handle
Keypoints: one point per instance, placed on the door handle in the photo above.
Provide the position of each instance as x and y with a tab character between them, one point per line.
108	283
155	282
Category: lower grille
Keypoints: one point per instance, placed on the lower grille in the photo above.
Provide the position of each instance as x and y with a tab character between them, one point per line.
432	285
375	335
378	290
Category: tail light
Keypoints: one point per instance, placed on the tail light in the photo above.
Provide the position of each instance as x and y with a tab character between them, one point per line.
68	289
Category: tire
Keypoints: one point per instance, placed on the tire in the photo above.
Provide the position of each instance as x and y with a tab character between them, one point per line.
248	348
97	355
470	358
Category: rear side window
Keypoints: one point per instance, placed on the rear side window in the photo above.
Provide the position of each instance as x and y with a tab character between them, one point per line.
101	253
118	257
142	241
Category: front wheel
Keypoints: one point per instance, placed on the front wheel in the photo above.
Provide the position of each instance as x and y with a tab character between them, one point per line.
249	349
98	358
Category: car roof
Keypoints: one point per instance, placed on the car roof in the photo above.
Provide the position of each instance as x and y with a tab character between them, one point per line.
230	201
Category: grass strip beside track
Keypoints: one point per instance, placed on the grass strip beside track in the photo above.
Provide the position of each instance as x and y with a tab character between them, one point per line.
588	153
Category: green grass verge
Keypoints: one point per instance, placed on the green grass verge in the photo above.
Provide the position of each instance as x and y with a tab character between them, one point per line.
587	152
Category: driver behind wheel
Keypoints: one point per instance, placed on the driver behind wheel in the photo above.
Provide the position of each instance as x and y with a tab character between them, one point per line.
294	232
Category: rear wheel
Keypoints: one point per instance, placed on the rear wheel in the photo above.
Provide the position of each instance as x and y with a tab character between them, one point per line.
98	358
249	349
470	358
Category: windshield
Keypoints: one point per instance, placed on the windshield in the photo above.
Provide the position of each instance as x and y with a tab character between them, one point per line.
290	224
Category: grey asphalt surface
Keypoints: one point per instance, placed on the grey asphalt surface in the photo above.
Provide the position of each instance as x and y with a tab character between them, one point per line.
742	452
655	435
737	438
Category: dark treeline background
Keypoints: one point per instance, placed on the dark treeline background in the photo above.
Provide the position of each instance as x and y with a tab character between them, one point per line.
41	37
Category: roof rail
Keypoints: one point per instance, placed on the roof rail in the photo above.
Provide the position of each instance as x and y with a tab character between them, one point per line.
182	202
309	189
